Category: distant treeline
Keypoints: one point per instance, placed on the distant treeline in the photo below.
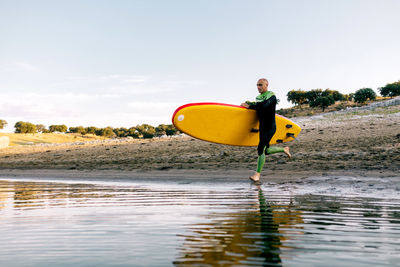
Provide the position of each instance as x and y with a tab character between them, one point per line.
325	98
314	98
140	131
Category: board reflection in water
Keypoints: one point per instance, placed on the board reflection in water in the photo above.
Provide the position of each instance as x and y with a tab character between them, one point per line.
250	235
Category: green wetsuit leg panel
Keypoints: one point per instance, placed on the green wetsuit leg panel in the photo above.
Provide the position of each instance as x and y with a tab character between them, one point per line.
260	162
274	149
261	158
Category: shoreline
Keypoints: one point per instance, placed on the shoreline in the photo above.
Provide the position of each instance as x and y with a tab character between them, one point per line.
183	175
330	145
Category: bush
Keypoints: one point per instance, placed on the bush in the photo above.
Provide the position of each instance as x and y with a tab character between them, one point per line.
362	95
390	89
340	107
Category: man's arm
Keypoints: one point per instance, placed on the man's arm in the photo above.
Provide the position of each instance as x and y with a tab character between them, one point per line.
269	101
248	104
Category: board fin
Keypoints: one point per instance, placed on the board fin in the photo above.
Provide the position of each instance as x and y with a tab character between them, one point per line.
254	130
279	141
290	135
289	126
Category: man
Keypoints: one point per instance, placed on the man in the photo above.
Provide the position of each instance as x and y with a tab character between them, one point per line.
265	106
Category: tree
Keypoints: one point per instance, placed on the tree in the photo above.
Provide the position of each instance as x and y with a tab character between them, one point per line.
348	97
79	129
390	89
40	128
3	124
313	94
161	130
106	132
323	102
362	95
133	132
58	128
24	127
171	130
146	130
337	96
121	132
297	97
91	130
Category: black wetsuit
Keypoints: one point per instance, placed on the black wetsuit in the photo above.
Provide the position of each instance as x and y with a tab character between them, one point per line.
266	116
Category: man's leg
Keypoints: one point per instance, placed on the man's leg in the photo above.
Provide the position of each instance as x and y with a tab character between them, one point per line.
263	149
275	149
262	145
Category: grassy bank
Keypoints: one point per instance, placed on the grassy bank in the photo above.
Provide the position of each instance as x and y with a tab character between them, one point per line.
47	138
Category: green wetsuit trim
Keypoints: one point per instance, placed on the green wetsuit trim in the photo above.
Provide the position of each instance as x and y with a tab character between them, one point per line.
261	158
261	98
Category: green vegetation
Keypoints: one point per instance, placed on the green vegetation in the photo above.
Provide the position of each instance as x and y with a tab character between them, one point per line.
364	94
3	124
25	127
315	98
297	97
58	128
140	131
323	102
390	89
305	102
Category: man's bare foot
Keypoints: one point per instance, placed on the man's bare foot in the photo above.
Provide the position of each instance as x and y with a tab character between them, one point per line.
255	177
286	151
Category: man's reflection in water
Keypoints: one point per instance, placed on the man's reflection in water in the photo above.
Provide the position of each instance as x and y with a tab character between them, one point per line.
270	232
249	235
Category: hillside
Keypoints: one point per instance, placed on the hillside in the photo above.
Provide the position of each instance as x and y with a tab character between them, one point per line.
306	110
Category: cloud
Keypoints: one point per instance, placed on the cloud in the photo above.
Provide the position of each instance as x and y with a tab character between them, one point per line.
20	66
85	109
101	100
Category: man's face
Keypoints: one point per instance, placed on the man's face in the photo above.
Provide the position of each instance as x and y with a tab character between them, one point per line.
262	86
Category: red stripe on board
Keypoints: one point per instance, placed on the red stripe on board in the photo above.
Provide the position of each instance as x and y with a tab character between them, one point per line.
202	104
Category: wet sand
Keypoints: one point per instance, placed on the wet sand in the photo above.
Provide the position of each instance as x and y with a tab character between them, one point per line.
330	145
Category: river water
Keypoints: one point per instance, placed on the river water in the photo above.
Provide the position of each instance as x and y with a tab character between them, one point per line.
334	221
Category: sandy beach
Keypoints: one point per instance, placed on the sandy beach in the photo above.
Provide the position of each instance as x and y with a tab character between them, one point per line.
366	144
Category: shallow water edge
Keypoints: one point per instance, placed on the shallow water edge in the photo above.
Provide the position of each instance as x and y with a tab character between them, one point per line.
315	221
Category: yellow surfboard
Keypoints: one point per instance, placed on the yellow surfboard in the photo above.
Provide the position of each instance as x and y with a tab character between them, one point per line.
228	124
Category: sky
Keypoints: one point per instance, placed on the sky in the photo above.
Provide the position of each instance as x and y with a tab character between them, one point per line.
123	63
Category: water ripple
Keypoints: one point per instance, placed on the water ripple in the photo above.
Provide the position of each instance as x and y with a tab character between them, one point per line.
47	223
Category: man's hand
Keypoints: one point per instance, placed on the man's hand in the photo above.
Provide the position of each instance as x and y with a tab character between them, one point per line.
245	105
